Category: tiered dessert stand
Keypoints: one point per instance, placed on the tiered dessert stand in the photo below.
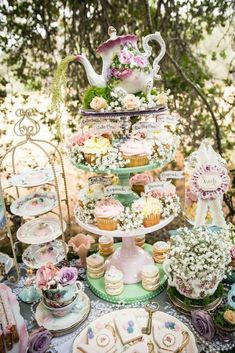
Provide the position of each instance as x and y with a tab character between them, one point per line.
128	257
38	230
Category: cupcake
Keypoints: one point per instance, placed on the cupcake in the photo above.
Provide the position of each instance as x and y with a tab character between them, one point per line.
135	153
150	208
106	213
95	147
138	182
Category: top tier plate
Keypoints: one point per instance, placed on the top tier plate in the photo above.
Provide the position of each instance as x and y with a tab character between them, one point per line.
28	178
124	113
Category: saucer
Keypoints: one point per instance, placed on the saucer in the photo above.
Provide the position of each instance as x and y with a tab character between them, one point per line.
61	325
33	177
34	204
40	230
37	255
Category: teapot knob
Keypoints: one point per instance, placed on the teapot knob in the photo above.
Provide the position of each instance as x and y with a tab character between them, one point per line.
112	32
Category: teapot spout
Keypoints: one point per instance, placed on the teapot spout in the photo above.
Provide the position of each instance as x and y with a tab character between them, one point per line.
93	78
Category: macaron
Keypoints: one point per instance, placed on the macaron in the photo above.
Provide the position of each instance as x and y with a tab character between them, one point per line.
95	266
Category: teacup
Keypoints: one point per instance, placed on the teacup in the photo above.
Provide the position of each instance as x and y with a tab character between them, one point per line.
75	306
62	297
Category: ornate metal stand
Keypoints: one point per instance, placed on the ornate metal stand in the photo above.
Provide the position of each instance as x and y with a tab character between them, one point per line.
28	128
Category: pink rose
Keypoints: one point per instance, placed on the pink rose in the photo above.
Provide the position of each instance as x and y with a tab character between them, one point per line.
131	102
79	139
125	57
98	103
141	179
121	73
140	60
45	274
232	253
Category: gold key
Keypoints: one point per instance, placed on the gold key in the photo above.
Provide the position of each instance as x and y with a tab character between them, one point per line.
151	308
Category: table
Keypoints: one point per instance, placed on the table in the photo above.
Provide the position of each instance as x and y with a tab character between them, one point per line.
99	307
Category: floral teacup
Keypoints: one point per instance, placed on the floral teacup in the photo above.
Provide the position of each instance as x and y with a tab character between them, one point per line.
74	306
61	297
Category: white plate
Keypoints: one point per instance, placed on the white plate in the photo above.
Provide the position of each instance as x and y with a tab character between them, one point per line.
121	233
36	255
40	230
34	204
8	261
33	177
142	317
21	346
48	321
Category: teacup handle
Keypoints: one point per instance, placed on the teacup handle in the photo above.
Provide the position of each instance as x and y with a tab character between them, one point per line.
80	286
148	50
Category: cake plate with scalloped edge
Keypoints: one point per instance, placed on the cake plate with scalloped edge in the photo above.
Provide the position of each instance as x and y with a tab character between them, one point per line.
132	293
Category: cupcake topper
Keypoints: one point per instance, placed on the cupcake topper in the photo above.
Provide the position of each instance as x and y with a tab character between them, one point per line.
209	181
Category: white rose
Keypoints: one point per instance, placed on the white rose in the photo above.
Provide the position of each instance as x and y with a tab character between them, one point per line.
98	103
162	98
131	102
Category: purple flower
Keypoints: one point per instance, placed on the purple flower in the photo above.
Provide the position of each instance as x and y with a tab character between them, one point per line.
125	56
39	340
121	73
203	324
140	60
68	275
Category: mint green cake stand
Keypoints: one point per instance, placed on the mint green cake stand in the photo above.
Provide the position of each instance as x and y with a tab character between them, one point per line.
133	293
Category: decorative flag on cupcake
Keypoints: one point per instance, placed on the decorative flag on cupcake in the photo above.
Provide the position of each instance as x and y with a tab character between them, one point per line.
209	181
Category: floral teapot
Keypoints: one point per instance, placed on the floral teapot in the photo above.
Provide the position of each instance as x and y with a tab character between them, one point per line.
124	65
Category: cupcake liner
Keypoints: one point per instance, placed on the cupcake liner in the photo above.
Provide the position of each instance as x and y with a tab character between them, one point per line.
90	158
151	220
106	223
136	160
138	189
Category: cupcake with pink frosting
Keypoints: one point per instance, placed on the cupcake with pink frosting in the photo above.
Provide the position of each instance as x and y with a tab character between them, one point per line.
106	213
135	152
138	182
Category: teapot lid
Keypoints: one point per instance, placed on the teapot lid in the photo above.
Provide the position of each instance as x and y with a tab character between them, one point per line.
115	40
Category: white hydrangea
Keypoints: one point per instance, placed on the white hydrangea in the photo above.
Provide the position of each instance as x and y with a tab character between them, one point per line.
130	220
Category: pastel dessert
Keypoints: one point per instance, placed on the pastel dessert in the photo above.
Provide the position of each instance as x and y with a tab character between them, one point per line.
150	208
150	277
95	266
79	139
168	336
135	153
138	182
95	147
105	245
160	250
102	342
106	213
127	327
140	241
113	281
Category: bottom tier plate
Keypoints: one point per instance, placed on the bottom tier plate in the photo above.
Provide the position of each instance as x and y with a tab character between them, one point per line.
132	293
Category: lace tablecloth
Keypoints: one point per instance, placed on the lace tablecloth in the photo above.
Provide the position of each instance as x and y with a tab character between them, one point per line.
99	307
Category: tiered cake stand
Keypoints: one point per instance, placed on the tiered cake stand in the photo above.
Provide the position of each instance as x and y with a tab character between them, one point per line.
38	230
127	257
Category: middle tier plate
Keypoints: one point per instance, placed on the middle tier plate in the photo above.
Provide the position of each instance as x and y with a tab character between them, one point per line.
123	234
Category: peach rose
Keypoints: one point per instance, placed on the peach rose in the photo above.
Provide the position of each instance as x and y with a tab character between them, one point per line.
131	102
98	103
229	316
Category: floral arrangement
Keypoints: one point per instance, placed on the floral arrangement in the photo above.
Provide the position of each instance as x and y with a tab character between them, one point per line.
198	261
117	99
39	341
51	277
170	206
130	219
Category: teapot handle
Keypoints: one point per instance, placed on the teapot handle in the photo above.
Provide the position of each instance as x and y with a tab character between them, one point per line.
148	50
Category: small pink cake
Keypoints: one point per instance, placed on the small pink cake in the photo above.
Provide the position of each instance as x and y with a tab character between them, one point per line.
106	213
135	152
138	182
79	139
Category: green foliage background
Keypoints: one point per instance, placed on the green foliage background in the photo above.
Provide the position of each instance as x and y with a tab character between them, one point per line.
36	34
